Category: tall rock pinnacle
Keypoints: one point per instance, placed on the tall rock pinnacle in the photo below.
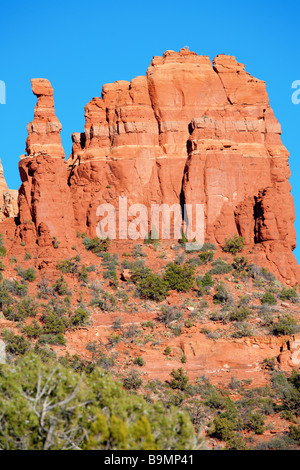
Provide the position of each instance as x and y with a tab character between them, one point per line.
45	206
44	131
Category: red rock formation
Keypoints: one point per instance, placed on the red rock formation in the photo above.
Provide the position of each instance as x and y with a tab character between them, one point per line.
45	207
188	132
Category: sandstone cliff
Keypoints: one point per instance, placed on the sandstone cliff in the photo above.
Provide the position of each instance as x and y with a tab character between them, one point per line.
188	132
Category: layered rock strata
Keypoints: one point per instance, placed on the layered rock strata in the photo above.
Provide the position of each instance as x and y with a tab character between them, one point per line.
189	132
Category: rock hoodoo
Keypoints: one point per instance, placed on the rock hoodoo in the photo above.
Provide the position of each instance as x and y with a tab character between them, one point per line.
45	206
189	131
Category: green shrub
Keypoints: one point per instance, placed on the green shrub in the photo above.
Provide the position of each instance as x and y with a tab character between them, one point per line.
179	380
17	288
236	442
27	307
106	303
267	275
288	293
132	381
294	432
83	274
207	246
57	339
80	317
169	313
243	329
239	314
70	265
34	330
285	325
15	344
255	422
221	296
206	256
140	361
180	278
268	298
240	263
96	245
61	286
153	287
27	274
207	280
220	267
234	245
54	323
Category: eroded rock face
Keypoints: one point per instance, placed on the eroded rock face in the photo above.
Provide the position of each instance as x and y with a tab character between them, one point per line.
188	132
8	199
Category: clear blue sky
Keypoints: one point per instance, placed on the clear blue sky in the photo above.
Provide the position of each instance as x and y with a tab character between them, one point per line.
79	46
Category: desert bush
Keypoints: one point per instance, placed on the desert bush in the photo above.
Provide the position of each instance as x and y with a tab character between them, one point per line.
239	314
69	266
43	289
28	274
294	432
285	325
139	361
221	295
16	345
255	422
34	330
132	381
234	245
207	280
267	275
107	302
96	245
206	256
243	329
180	278
207	246
83	274
268	298
80	317
240	263
179	380
169	314
288	293
27	307
61	286
57	339
54	322
220	267
138	252
153	287
15	288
